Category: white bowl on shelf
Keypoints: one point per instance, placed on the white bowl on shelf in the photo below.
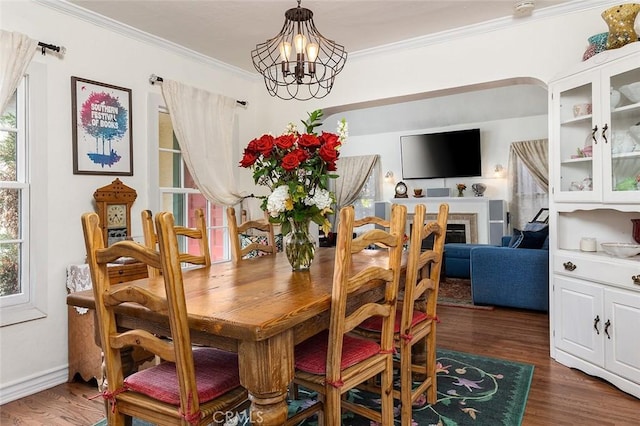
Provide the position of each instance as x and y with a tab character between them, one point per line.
621	249
631	91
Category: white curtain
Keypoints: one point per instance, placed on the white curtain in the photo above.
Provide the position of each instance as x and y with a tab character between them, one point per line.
353	173
203	124
16	52
528	180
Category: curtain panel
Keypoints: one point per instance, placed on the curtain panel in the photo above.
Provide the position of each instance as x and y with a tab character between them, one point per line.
16	52
203	124
353	173
528	171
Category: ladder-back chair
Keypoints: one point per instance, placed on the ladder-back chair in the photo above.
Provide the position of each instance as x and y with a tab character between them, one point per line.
197	233
192	384
416	316
333	362
262	226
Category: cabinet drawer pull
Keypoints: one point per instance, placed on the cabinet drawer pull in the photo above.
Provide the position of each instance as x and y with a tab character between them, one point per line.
606	329
121	271
569	266
596	321
636	279
593	134
604	132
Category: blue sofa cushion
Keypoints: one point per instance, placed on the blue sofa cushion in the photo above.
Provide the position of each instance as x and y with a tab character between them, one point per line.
529	239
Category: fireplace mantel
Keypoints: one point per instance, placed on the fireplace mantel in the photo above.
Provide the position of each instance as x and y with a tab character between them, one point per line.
491	214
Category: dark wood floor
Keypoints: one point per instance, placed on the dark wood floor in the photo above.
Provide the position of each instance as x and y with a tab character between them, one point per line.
558	395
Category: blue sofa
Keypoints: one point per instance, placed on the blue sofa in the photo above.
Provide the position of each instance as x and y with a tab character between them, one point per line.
512	277
457	259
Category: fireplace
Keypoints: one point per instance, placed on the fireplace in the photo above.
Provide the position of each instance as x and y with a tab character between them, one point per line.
457	232
484	220
461	227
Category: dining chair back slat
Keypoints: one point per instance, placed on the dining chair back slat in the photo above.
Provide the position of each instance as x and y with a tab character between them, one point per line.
198	233
334	361
258	227
176	391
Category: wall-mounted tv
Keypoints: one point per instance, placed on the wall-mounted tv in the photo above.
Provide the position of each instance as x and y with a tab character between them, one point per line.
441	155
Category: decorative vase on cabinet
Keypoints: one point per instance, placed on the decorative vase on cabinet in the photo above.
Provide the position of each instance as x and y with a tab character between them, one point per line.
621	19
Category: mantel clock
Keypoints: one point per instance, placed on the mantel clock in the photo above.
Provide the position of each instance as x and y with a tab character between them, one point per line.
114	210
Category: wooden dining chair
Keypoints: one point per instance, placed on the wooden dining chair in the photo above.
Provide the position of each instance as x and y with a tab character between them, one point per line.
192	384
198	233
415	327
333	362
262	226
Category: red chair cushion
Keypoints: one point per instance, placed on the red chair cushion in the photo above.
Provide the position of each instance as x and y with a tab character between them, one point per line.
311	355
375	323
216	374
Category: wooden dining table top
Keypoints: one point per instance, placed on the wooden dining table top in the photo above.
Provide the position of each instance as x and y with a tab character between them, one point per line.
254	299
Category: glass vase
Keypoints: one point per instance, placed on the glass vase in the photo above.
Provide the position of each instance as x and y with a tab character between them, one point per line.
299	246
460	193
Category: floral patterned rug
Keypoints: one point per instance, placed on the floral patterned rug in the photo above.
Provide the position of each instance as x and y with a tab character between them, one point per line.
472	390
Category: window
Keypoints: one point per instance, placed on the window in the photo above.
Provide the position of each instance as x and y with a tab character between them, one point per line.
23	154
364	205
14	196
179	194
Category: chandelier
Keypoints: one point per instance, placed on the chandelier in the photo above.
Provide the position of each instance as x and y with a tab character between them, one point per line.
311	70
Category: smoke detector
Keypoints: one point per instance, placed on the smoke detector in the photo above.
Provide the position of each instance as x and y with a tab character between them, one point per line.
523	7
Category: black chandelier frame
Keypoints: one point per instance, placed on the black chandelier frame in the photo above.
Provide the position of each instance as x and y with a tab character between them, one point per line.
298	77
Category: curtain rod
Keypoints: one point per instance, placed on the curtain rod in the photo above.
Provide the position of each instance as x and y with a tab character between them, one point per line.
53	47
153	79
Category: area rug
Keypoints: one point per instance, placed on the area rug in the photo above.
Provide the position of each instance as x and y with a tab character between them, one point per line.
457	292
472	390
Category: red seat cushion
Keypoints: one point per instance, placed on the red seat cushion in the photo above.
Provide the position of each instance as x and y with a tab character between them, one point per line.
375	323
216	374
311	355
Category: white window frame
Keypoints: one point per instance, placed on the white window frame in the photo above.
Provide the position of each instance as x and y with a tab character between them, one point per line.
31	303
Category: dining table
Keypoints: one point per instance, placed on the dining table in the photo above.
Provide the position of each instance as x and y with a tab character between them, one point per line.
258	308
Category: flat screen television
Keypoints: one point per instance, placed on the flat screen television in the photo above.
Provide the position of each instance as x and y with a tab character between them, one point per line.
441	155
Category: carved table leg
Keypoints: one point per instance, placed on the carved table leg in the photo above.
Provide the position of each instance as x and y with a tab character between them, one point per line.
266	370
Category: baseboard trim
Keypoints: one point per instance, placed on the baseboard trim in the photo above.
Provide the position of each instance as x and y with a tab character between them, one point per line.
33	384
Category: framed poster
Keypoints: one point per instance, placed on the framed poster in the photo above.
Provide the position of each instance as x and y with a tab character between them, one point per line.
101	119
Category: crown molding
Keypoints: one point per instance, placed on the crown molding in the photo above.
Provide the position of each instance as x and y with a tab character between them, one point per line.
422	41
131	32
483	27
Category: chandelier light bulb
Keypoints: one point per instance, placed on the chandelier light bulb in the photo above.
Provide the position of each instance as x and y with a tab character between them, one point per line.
300	41
285	50
312	51
312	55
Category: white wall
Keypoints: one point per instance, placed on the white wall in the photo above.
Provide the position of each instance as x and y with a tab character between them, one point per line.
496	136
34	354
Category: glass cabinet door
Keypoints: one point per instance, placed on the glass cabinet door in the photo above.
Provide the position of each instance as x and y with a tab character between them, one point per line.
577	126
621	172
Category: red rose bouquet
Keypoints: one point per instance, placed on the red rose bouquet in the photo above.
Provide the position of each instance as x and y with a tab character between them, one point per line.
296	167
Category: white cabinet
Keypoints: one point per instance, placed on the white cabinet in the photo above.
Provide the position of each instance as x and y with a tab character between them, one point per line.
597	159
594	166
596	331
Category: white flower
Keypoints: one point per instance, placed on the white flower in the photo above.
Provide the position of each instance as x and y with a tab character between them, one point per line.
343	130
291	129
276	201
321	199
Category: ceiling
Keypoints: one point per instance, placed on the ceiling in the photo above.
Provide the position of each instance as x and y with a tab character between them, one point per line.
228	30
